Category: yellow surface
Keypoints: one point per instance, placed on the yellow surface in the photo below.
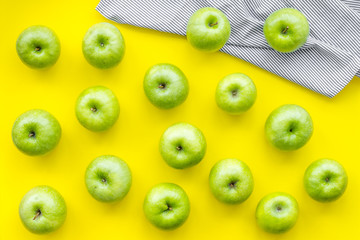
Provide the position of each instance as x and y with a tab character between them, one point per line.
136	134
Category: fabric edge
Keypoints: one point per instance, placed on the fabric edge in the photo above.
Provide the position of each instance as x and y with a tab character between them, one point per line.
354	68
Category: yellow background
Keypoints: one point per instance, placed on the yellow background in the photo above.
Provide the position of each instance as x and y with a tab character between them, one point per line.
135	136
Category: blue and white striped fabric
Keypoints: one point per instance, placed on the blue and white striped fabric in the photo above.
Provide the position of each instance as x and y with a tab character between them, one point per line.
325	64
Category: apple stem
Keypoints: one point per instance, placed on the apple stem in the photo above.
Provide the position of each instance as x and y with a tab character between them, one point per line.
37	49
37	214
213	24
31	134
232	184
93	109
285	30
162	86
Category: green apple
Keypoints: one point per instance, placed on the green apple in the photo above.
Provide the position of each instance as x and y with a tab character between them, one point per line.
277	212
166	86
103	45
42	210
286	30
325	180
36	132
208	29
166	206
182	145
108	178
38	47
97	108
231	181
289	127
235	93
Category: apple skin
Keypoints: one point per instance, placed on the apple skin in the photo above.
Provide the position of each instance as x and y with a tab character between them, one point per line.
182	146
36	132
325	180
103	46
208	29
235	93
166	206
108	178
97	108
231	181
166	86
289	127
277	212
38	47
42	210
284	39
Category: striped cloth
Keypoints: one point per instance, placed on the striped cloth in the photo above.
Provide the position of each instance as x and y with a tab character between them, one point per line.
325	64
